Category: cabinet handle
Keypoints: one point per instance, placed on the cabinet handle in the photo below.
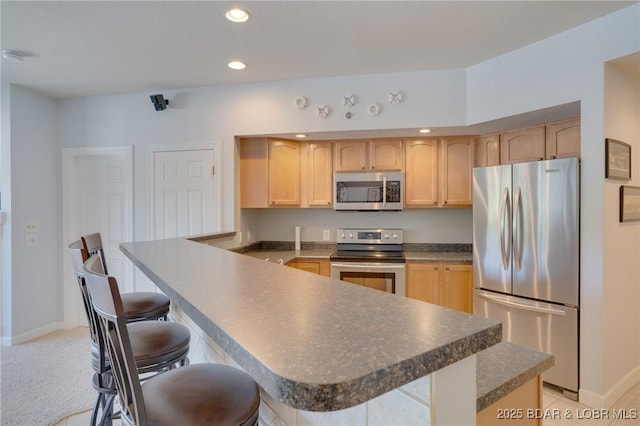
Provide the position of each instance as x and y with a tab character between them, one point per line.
445	202
446	269
553	157
540	158
435	269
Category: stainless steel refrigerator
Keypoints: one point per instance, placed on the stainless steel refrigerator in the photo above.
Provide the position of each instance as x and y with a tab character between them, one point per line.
526	259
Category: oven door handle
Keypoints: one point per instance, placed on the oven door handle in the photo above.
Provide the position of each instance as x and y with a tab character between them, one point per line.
364	265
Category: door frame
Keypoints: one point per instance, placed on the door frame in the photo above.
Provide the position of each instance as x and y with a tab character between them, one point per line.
152	149
71	299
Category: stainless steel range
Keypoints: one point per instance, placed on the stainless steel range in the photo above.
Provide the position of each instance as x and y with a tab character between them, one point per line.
372	258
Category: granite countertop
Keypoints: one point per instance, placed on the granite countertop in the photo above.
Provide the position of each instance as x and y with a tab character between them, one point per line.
324	347
274	251
503	368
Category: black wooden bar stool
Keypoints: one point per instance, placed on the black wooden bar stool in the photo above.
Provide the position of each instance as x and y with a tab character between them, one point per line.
199	394
140	305
157	345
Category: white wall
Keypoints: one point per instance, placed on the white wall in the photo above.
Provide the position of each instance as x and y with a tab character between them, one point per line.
31	274
419	225
621	241
219	113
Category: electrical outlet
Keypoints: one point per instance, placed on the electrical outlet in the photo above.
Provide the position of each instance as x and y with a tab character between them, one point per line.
326	235
31	225
32	240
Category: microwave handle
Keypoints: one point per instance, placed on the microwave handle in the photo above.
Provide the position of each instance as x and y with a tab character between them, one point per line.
384	191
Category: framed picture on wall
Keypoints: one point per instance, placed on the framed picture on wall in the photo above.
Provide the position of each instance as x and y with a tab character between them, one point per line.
629	203
617	160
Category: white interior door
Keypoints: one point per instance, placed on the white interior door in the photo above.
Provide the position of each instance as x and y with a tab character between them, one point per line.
184	193
98	197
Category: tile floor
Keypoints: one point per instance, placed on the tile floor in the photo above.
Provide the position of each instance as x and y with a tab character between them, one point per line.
565	411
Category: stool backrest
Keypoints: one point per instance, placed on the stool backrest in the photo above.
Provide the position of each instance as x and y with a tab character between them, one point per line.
93	245
78	256
106	302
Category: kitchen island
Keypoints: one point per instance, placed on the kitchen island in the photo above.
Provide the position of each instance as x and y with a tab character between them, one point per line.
322	350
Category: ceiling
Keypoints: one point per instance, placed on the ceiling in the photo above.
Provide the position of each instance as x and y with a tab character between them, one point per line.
86	48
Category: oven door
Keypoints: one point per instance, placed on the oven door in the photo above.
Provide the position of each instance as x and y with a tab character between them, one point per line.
389	277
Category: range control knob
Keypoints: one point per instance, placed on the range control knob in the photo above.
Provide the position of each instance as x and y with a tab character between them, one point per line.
351	235
394	236
386	236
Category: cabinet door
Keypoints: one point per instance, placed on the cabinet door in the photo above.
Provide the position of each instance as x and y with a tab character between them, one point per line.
457	285
523	145
312	266
319	177
350	156
421	172
423	282
386	154
563	138
254	173
487	151
284	173
456	174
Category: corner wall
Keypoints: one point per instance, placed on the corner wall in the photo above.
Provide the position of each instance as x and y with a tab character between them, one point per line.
561	69
30	282
621	242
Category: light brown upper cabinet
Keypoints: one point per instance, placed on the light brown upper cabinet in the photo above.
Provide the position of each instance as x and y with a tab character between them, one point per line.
558	139
522	145
421	172
317	174
369	155
269	173
438	171
563	138
487	150
456	171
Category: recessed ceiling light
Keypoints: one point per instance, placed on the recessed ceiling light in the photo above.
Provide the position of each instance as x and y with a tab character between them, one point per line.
301	135
237	15
425	130
237	65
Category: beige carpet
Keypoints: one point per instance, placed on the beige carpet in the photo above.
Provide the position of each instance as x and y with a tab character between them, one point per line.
46	379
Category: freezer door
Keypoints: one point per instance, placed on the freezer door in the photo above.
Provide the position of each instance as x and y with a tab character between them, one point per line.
546	230
544	327
492	228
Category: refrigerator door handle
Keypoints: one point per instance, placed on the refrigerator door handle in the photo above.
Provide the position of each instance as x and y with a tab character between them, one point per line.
517	224
505	220
522	306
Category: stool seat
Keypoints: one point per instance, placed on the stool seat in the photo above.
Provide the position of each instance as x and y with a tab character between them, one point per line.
145	305
138	306
156	345
201	394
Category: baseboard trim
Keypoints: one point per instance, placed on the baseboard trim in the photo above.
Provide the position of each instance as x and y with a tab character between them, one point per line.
32	334
596	400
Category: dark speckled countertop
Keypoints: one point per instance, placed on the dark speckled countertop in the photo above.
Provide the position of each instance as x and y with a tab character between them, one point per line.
311	342
505	367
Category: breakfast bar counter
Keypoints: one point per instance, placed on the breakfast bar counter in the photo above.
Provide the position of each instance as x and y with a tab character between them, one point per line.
311	343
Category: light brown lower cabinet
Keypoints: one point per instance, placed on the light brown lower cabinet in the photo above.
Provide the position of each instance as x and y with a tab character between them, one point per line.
317	266
445	284
522	407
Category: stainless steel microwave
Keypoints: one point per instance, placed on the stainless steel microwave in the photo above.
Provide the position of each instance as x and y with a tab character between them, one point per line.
368	191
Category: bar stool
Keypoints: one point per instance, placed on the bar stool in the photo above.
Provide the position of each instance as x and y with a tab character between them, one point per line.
138	306
199	394
157	345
